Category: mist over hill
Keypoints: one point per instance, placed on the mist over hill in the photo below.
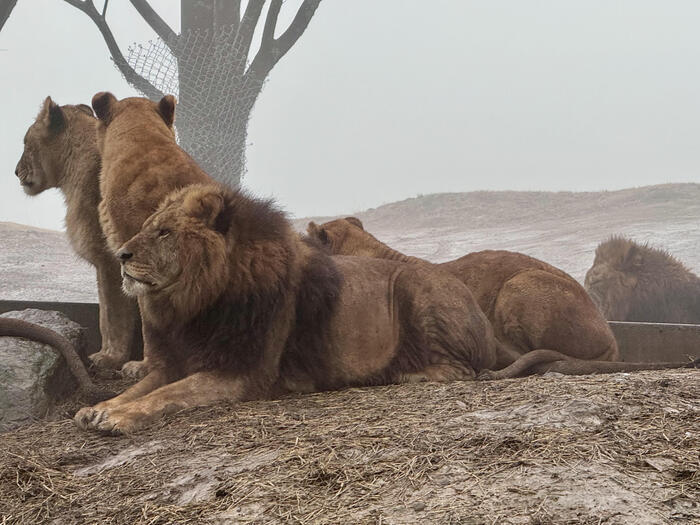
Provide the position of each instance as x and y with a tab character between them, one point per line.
562	228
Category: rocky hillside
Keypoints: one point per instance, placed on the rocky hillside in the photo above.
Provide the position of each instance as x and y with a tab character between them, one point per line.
562	228
39	265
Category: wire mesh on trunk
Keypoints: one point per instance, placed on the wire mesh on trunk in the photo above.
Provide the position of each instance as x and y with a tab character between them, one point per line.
206	70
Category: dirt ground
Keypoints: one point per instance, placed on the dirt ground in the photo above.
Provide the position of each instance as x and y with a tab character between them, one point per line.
617	449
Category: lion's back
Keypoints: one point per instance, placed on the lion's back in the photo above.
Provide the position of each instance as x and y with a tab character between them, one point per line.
132	186
486	272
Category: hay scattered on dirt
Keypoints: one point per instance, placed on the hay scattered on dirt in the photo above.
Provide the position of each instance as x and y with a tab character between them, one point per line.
595	449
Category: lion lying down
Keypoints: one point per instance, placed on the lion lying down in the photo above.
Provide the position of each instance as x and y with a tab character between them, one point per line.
239	307
543	319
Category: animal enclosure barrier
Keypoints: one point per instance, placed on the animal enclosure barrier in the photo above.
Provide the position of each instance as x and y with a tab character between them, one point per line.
206	70
639	342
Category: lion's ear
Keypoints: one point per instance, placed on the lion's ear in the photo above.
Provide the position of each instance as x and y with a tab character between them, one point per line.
205	206
634	257
103	104
355	222
166	108
85	109
322	235
312	228
319	232
53	115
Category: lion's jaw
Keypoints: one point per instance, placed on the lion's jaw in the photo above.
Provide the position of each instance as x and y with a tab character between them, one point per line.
135	283
31	175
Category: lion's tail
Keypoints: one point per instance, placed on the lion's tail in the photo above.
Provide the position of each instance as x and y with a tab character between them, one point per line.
19	328
541	361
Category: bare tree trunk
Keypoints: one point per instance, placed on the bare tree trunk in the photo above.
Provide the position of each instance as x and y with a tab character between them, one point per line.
211	69
6	7
217	86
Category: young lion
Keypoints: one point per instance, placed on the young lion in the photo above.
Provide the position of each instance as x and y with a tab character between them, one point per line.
141	164
542	318
237	306
60	151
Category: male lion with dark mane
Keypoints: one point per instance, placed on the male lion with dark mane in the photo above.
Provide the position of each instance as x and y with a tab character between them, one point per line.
141	164
634	282
237	306
60	151
543	319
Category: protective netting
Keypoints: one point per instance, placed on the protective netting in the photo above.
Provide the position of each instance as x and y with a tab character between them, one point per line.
205	69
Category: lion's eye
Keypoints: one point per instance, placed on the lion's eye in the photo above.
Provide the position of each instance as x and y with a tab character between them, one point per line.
163	232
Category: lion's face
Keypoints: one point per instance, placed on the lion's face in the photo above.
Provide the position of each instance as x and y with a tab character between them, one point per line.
150	261
178	250
39	166
339	237
612	280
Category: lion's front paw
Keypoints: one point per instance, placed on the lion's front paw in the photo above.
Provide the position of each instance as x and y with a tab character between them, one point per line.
89	417
109	421
106	358
134	369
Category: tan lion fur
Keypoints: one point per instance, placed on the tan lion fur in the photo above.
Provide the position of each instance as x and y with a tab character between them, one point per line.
635	282
237	306
532	305
60	151
141	164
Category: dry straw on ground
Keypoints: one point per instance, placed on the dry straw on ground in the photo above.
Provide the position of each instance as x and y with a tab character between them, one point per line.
595	449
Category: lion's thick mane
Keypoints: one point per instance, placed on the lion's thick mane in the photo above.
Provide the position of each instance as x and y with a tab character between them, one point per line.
636	282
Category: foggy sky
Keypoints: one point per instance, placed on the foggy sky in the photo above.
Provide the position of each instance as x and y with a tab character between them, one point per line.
381	100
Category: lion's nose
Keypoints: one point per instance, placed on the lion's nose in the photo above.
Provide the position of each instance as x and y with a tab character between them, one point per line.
124	255
17	172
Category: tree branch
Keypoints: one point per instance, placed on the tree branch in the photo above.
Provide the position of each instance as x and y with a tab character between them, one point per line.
246	28
131	76
271	49
268	35
297	27
6	7
154	20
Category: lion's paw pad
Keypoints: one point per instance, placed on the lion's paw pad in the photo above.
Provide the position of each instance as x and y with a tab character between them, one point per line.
134	369
90	417
106	359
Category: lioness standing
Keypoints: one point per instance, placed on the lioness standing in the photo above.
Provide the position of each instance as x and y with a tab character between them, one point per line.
60	151
141	164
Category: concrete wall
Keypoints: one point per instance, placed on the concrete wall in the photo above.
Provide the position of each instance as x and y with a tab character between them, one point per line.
85	314
646	342
640	342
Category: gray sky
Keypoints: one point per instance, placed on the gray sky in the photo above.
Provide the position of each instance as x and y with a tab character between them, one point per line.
381	100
